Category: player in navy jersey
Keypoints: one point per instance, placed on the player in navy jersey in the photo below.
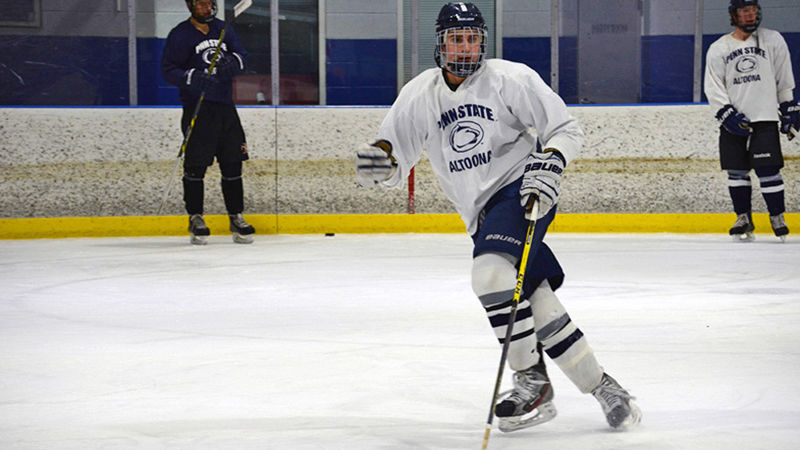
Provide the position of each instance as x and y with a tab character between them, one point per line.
474	116
217	131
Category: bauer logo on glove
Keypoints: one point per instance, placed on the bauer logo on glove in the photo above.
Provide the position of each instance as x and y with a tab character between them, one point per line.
544	167
541	179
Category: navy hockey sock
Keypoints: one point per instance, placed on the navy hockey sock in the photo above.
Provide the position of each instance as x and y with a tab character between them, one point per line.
772	190
740	189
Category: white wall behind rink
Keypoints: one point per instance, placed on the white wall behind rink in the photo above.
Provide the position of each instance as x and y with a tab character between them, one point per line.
117	161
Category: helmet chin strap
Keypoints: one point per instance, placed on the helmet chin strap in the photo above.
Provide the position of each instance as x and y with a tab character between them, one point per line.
203	19
748	28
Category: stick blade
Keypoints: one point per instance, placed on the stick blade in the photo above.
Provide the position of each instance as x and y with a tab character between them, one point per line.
241	6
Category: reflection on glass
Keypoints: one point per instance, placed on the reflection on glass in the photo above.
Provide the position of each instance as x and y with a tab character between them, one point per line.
298	53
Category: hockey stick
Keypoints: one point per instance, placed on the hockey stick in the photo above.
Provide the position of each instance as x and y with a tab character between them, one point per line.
793	132
511	318
238	9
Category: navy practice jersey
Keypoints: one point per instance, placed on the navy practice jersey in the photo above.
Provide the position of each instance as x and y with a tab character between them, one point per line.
187	48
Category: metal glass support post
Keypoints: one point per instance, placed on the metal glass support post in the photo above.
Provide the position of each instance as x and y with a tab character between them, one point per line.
274	49
323	54
698	50
400	47
555	19
133	93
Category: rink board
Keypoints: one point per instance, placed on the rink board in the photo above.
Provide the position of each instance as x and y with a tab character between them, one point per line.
64	227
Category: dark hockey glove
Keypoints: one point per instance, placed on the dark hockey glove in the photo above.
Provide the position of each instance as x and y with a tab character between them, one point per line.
229	66
203	82
790	118
542	179
734	121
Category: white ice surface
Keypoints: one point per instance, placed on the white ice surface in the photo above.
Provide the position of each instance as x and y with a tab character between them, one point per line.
377	342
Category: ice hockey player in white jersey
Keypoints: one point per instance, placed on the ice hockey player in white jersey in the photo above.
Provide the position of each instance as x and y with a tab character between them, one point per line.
473	116
749	85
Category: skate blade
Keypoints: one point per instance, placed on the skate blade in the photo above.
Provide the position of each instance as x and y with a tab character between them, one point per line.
543	413
242	238
782	238
198	240
633	419
744	237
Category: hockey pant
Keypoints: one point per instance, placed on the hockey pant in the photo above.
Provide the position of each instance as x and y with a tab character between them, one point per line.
540	318
232	188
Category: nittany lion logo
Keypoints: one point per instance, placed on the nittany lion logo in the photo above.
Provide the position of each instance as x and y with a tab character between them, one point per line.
746	64
207	48
208	55
465	136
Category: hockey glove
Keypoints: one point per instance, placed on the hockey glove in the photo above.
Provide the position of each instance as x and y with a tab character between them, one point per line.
734	121
203	82
541	179
790	118
374	163
229	66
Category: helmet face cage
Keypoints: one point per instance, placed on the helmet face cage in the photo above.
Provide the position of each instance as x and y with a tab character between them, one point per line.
203	19
733	10
455	55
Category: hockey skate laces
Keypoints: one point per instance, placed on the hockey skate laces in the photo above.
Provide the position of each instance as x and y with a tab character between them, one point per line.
529	385
612	394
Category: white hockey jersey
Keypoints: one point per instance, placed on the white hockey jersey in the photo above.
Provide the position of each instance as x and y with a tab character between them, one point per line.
753	75
477	137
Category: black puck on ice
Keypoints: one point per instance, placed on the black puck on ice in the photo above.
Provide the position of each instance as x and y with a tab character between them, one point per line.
330	234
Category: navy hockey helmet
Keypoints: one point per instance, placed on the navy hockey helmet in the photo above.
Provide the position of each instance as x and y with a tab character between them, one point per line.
735	6
451	53
203	19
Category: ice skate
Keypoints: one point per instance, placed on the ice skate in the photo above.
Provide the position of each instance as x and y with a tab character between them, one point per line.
742	230
242	231
779	226
529	403
198	229
621	413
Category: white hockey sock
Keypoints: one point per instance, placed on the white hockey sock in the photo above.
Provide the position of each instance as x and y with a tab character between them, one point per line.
493	280
563	342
